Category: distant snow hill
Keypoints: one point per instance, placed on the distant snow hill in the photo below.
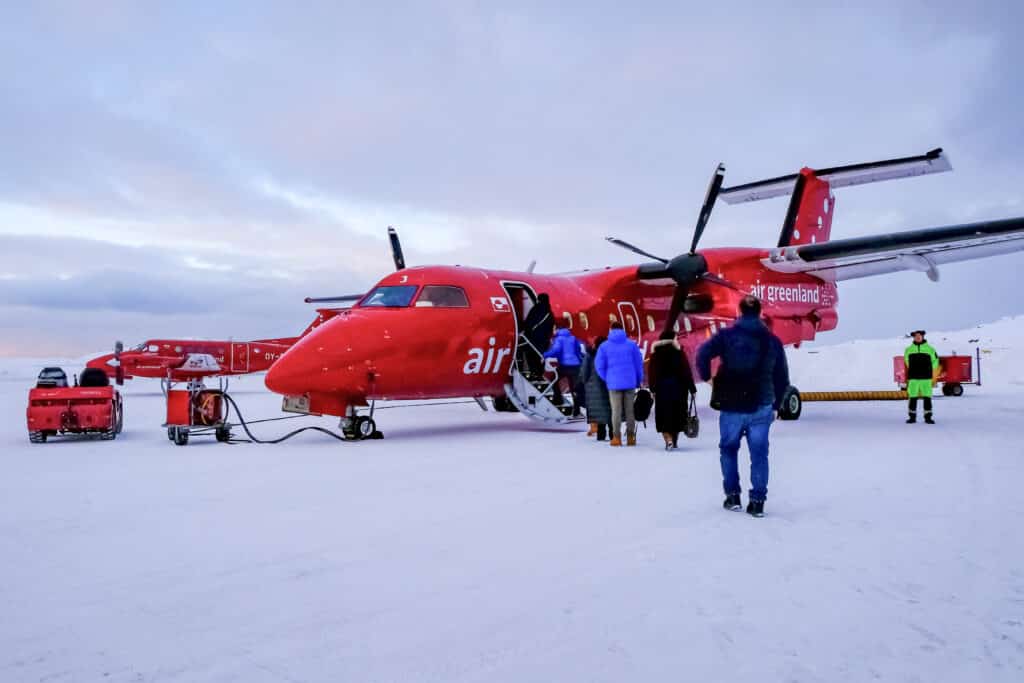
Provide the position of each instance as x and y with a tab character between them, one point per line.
867	364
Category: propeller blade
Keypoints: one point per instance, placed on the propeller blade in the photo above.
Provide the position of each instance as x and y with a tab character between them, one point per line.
396	249
333	299
678	299
636	250
119	368
715	280
709	204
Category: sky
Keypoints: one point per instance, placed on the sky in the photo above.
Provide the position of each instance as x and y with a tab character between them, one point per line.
196	169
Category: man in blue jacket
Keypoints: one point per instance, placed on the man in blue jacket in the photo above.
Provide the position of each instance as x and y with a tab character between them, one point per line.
748	388
566	350
620	364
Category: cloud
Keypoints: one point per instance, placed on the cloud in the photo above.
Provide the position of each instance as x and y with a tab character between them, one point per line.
252	148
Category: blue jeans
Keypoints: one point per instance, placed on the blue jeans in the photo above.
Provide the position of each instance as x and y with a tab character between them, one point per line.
733	427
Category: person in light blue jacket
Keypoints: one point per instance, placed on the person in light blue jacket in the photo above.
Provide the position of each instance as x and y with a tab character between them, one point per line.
620	364
566	350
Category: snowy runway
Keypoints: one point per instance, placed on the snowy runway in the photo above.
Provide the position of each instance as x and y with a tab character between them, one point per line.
478	547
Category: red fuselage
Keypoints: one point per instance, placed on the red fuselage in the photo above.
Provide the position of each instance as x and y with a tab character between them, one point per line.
418	350
181	359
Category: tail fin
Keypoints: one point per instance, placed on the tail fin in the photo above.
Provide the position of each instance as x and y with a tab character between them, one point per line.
812	204
809	217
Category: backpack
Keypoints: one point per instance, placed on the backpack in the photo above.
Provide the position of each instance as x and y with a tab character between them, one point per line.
642	405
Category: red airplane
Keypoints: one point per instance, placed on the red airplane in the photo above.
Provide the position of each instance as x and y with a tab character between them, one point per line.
450	331
191	359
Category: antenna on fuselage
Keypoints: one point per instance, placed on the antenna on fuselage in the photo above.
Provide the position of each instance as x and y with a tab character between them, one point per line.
533	264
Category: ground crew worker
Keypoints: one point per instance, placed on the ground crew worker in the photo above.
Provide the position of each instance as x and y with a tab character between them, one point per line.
922	365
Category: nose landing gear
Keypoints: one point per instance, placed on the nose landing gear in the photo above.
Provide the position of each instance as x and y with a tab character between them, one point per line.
357	427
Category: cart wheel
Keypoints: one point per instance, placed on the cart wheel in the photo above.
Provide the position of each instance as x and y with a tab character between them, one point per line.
120	418
365	427
955	389
223	434
170	433
791	405
37	437
947	389
181	436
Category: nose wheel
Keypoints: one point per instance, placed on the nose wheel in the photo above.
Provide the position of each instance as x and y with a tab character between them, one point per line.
359	427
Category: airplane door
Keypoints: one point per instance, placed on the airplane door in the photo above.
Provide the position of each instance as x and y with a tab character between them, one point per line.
240	357
630	320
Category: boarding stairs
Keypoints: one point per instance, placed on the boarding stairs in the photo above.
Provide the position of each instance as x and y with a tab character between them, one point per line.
534	397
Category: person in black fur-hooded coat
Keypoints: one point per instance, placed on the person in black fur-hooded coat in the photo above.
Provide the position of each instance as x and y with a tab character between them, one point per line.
671	380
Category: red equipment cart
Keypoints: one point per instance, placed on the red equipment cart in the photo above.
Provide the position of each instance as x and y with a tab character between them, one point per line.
91	406
954	372
196	411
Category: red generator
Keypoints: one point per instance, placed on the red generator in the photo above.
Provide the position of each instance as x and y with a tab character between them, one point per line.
91	406
195	411
954	372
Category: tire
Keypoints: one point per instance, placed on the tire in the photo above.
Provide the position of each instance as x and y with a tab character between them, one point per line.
791	405
365	427
170	433
120	418
223	434
37	437
956	389
947	389
181	436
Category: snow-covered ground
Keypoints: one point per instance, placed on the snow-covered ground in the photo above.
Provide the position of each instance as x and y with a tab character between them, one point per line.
480	547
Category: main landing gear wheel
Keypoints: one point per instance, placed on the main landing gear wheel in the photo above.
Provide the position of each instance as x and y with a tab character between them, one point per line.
37	437
791	405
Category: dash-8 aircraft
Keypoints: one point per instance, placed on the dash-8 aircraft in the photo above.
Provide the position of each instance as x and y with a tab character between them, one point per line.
452	331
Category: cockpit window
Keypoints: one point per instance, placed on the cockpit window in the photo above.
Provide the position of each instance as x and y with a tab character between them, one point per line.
397	296
442	296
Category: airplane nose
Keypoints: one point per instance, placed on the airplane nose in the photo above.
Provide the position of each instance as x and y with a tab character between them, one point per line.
294	373
320	362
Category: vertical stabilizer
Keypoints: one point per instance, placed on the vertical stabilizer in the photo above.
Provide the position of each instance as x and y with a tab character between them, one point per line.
809	218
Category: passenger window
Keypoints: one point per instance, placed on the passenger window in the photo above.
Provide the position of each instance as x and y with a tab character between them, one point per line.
442	296
650	323
583	320
568	318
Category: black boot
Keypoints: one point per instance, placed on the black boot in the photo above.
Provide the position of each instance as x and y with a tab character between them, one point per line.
912	419
755	508
733	502
928	419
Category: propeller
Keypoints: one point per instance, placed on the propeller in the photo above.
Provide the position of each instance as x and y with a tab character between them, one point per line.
396	255
118	368
396	249
685	269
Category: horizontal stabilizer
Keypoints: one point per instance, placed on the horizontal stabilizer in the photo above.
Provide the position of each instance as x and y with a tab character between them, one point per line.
921	250
842	176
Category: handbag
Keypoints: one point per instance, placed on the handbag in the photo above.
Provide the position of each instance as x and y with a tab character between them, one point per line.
692	425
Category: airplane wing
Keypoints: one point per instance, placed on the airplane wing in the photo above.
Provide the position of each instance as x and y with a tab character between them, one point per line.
920	250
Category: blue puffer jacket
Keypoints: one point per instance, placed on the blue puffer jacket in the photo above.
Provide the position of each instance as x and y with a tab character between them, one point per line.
566	348
742	348
619	362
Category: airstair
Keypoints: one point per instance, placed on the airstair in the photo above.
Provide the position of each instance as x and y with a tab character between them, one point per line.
534	397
